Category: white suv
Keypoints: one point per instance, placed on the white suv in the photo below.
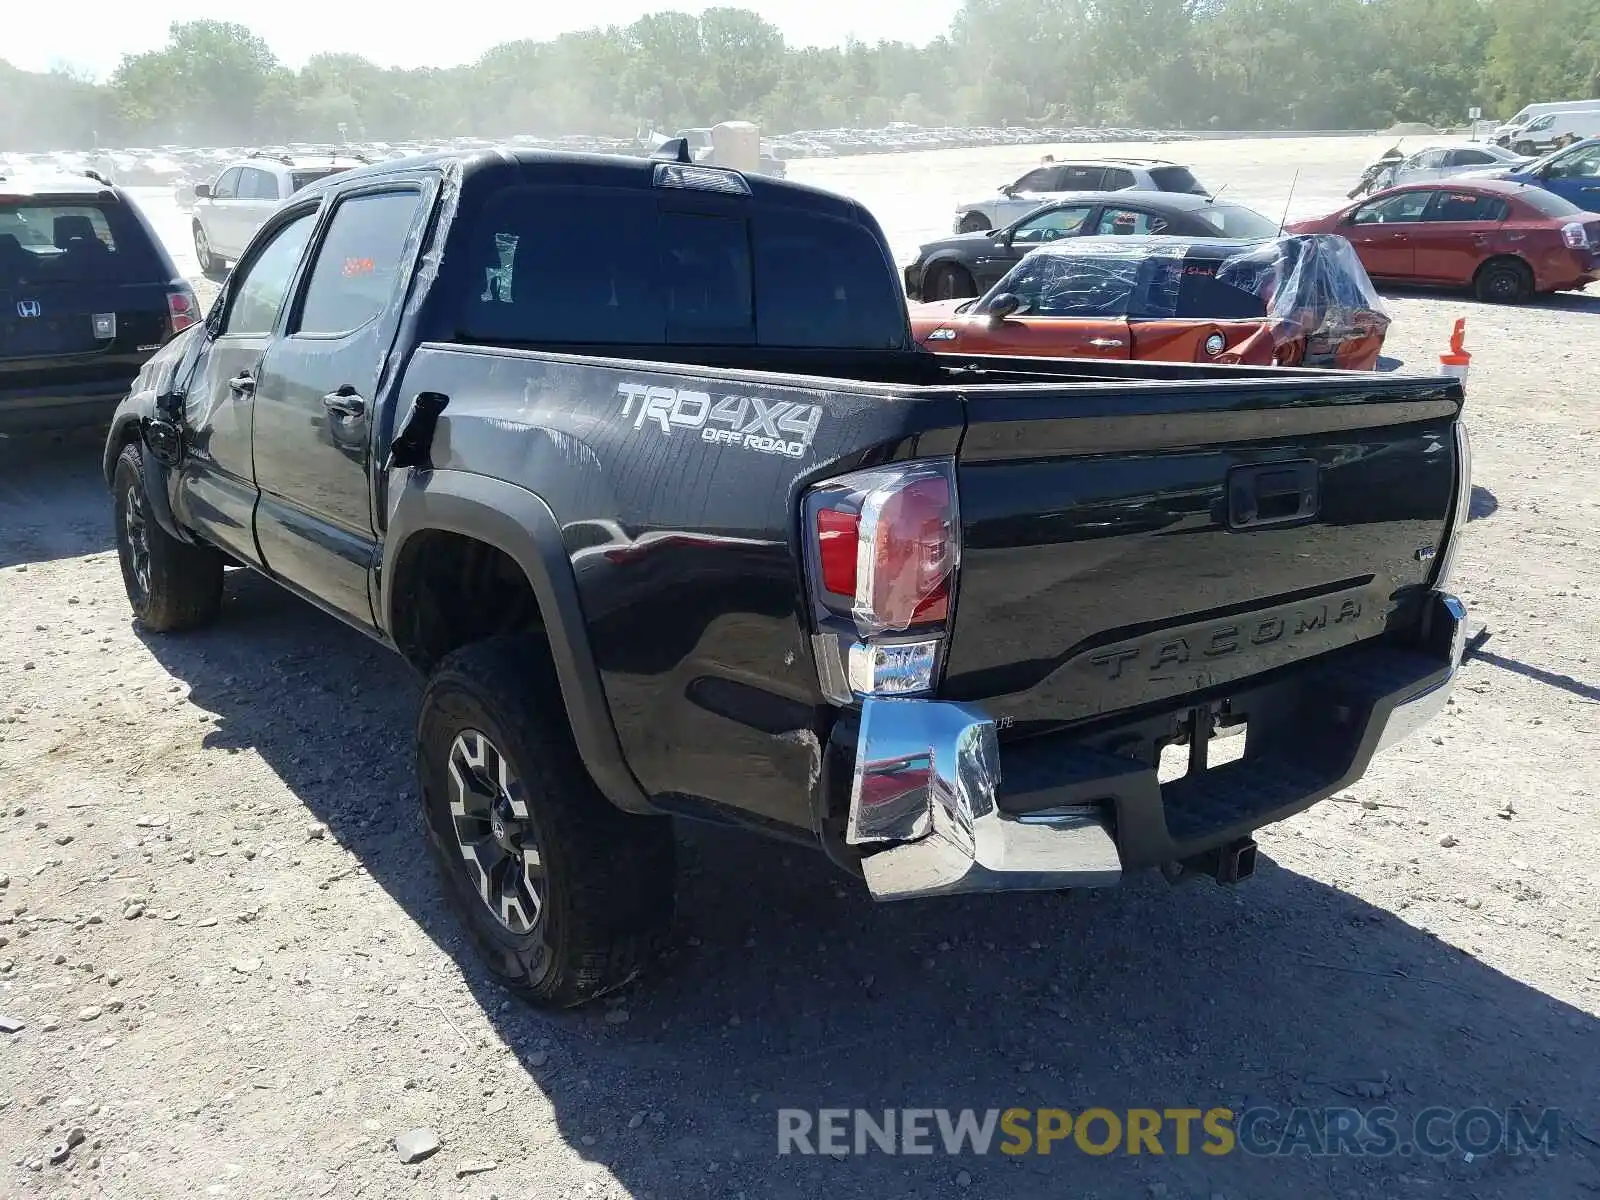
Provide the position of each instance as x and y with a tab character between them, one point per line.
228	211
1044	183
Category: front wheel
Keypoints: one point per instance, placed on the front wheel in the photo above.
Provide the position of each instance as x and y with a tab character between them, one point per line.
564	896
1526	149
171	585
1503	281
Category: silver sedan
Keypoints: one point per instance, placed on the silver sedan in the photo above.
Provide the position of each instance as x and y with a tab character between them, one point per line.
1440	162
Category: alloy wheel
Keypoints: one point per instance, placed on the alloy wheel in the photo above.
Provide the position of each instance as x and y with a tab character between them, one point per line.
137	535
494	832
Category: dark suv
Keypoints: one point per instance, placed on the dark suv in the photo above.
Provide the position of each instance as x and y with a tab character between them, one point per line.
87	295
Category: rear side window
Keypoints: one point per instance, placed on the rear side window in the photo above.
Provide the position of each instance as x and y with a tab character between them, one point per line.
596	267
1115	220
1175	179
70	241
1082	179
1465	206
358	264
1116	179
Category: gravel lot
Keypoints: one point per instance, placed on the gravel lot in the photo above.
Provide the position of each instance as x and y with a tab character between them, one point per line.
222	938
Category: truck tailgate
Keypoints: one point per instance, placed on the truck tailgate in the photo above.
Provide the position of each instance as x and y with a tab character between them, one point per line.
1125	549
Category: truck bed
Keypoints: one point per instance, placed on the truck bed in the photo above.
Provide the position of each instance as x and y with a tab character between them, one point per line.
1100	576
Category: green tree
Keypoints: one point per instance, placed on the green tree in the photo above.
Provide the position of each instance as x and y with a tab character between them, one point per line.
1215	64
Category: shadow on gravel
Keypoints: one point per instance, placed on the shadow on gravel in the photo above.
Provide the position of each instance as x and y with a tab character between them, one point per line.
1584	302
1483	503
788	988
1565	683
53	500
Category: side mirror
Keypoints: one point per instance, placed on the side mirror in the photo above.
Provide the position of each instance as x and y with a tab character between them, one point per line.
202	191
1553	171
1002	306
1007	189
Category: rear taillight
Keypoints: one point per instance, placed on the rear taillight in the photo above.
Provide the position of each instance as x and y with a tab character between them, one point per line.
883	546
1575	236
182	311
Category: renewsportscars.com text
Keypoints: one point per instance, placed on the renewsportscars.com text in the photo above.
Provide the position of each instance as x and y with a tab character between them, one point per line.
1264	1132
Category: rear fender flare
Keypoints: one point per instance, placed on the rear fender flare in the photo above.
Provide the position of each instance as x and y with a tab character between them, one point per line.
520	524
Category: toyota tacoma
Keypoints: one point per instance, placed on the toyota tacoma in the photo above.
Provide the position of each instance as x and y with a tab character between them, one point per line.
636	461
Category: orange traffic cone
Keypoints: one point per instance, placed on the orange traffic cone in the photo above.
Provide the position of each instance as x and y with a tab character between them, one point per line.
1456	362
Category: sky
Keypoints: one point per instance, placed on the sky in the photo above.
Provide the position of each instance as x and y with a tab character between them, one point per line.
100	32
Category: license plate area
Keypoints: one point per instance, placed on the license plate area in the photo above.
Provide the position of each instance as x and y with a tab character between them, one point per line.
1222	735
46	336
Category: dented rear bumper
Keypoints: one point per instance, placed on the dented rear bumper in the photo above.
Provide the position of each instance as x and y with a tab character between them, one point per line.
939	805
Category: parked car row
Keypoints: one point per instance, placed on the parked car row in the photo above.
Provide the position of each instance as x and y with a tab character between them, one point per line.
1142	261
183	166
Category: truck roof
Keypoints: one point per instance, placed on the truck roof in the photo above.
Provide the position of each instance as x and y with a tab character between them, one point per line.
571	169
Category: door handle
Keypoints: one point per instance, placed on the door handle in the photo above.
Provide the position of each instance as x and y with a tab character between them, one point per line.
345	402
244	383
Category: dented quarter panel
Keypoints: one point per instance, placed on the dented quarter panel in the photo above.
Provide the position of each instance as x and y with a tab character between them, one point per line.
680	533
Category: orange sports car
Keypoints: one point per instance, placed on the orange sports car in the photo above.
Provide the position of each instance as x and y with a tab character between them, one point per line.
1287	301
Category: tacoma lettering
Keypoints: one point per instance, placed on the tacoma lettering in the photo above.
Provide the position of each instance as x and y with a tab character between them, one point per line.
1225	640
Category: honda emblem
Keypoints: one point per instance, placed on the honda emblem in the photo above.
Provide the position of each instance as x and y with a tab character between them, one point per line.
28	308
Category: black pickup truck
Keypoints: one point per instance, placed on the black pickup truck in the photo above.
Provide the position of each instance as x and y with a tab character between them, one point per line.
637	462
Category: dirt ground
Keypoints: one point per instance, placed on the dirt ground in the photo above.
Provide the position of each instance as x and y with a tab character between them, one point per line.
223	941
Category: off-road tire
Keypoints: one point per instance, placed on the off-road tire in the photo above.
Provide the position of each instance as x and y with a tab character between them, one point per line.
608	877
974	223
1503	281
946	281
171	585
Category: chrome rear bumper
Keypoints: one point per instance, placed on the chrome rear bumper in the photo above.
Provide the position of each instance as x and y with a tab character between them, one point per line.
925	793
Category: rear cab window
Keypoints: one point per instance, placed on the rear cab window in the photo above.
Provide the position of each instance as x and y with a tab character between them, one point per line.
72	239
624	266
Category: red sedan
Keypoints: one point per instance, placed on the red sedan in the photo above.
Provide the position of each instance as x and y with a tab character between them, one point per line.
1503	240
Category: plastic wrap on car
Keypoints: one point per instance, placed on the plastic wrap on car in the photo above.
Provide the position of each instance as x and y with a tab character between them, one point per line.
1309	289
1314	286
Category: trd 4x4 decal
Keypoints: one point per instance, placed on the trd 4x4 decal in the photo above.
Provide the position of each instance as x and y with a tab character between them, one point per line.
752	422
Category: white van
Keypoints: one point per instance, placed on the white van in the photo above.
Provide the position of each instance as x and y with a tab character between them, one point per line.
1503	134
1555	130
